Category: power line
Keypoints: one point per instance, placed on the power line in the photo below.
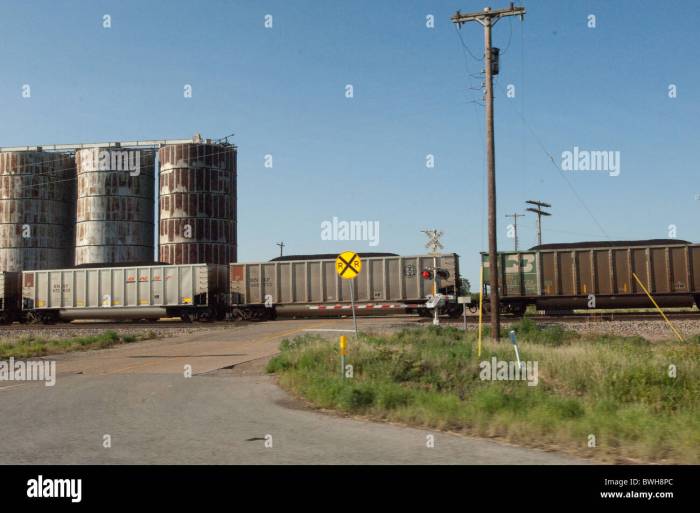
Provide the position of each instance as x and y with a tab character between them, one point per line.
65	150
71	179
474	102
464	45
561	173
510	36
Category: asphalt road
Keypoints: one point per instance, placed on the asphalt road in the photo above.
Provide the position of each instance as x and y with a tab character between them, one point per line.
228	412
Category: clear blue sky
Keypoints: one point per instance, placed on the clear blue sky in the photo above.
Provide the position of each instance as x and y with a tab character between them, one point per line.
281	91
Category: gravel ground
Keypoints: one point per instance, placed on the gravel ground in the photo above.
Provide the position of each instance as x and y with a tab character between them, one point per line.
57	332
651	330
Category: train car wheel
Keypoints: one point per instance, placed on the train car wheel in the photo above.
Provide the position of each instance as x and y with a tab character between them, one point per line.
517	309
203	316
48	318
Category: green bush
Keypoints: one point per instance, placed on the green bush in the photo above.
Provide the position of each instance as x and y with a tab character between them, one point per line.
549	335
29	346
566	408
391	397
357	397
615	387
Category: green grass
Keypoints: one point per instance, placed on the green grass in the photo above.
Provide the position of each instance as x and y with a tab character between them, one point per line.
616	388
27	347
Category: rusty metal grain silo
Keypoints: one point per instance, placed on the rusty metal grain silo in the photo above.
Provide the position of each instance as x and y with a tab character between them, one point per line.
37	210
116	201
198	203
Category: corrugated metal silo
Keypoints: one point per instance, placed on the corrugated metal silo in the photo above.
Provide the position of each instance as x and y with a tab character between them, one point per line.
198	203
37	210
116	200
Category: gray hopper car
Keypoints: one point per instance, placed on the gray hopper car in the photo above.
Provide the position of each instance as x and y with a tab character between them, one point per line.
197	291
313	288
10	306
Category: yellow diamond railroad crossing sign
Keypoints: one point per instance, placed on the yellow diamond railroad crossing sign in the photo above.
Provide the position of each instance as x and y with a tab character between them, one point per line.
348	265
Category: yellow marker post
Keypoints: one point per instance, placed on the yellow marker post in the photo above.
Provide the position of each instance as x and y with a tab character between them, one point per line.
343	353
481	305
658	308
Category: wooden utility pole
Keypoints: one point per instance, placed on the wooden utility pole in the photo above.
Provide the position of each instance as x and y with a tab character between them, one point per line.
515	217
281	245
488	19
540	213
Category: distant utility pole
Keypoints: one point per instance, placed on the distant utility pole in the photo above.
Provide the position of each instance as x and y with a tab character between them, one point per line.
515	217
281	245
488	18
540	213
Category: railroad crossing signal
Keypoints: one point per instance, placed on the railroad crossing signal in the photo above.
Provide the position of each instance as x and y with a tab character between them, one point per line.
433	243
348	265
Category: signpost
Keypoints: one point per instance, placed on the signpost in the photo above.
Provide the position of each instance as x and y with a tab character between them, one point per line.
481	304
514	341
343	353
348	265
464	301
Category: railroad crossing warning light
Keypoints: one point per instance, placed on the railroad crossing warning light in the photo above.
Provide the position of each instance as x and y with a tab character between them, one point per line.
440	273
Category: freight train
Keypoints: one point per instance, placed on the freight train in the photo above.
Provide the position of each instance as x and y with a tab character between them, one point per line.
191	292
550	277
587	275
310	285
303	286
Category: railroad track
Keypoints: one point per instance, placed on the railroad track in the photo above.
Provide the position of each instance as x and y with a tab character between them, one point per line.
471	319
602	317
115	325
583	317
